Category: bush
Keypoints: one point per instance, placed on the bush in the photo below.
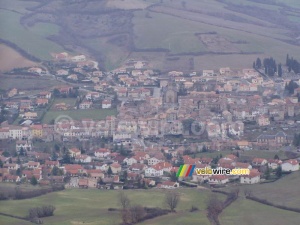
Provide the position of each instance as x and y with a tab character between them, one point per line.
39	212
193	208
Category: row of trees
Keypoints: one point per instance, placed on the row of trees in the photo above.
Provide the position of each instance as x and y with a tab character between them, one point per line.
270	66
291	86
132	214
292	64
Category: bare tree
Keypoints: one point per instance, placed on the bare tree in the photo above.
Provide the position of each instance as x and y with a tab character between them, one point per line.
124	200
172	199
247	192
214	206
133	214
137	213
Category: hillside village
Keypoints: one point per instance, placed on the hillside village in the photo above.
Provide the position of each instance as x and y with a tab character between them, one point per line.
163	120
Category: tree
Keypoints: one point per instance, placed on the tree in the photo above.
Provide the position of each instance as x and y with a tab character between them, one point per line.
278	172
56	148
56	171
125	176
1	164
214	206
172	199
33	181
173	177
67	157
204	149
21	152
54	156
137	213
279	70
19	172
267	173
109	171
56	92
276	157
124	200
258	63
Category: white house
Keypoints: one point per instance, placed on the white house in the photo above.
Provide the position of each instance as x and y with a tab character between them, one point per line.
78	58
274	163
168	185
153	161
252	178
130	161
83	158
153	172
106	104
218	179
102	152
290	165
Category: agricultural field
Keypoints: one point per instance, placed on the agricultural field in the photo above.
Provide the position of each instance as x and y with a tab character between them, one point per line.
12	59
32	40
91	206
26	83
251	212
96	114
284	191
213	33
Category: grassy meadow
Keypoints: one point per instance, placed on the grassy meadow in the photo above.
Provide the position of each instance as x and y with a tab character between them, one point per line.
96	114
284	191
247	212
90	206
32	40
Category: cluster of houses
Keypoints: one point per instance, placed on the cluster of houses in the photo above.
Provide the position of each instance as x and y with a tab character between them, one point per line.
145	167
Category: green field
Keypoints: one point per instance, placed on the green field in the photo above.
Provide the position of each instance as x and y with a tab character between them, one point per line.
13	221
32	40
96	114
23	83
284	191
239	35
248	212
90	206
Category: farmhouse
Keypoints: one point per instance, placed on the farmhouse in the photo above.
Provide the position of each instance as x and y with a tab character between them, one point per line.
252	178
290	165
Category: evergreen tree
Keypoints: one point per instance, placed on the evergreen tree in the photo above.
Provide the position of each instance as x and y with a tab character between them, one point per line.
276	157
54	156
109	171
287	60
67	157
278	172
173	177
19	172
258	63
204	149
279	70
33	180
56	148
267	173
1	164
